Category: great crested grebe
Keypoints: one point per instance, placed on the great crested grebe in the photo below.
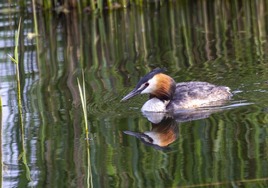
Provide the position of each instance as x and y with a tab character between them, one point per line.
167	96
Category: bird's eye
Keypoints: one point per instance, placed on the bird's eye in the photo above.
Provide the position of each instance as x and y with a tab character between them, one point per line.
146	84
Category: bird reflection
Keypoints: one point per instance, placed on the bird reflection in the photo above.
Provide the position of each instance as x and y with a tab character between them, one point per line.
165	127
160	136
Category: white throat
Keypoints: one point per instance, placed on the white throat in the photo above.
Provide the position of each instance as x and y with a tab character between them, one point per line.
154	105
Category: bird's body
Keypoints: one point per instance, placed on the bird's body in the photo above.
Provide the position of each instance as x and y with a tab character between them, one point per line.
197	94
166	95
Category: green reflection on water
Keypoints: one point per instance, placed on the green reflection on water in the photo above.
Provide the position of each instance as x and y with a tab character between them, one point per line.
219	42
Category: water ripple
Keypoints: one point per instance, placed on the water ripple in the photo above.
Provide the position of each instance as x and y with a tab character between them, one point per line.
109	104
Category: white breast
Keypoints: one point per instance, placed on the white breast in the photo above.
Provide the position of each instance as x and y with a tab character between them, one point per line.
154	105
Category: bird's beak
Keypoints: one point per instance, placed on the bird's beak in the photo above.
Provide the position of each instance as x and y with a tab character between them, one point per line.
131	94
137	135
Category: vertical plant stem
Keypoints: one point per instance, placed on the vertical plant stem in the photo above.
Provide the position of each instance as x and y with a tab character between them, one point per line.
35	28
16	61
92	4
35	19
84	4
83	101
47	5
110	4
124	3
23	154
1	153
79	7
82	92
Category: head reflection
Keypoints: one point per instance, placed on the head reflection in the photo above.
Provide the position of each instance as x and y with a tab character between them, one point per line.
161	134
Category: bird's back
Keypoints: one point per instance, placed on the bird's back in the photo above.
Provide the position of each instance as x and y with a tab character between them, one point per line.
189	95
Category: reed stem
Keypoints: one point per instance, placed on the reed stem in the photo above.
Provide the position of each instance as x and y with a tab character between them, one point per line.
35	27
82	92
16	61
92	4
1	152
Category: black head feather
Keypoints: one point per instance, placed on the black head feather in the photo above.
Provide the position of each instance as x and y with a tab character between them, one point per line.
149	76
142	84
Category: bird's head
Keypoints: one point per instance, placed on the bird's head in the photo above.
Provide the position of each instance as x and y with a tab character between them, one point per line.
155	83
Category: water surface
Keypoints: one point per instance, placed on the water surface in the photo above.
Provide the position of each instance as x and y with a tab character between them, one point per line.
224	43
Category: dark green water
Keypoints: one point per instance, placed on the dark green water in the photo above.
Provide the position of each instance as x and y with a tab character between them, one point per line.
224	43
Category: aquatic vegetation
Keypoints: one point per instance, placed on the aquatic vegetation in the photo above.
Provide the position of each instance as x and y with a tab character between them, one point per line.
0	111
82	92
15	59
114	50
89	5
1	161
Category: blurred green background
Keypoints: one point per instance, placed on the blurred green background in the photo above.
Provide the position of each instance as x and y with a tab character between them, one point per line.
222	42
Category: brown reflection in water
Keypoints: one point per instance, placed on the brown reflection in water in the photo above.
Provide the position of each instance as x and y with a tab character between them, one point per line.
161	135
165	127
